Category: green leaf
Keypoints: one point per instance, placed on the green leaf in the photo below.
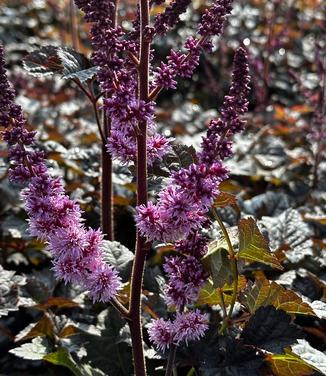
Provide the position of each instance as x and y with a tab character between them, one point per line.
264	293
62	358
271	330
34	350
88	370
209	294
216	261
253	246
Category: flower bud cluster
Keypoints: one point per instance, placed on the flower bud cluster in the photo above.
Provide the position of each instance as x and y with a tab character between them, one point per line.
117	75
77	251
181	211
186	327
183	64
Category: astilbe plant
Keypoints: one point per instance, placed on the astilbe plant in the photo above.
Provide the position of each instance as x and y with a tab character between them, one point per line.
130	83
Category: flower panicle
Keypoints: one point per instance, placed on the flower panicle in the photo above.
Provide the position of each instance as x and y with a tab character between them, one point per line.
53	217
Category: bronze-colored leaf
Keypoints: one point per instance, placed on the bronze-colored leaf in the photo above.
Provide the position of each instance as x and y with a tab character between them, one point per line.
264	293
253	246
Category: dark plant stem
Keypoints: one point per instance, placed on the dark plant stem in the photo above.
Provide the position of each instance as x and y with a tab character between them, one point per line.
171	360
107	186
141	248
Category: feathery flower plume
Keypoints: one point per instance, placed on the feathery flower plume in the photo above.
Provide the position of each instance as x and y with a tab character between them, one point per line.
53	217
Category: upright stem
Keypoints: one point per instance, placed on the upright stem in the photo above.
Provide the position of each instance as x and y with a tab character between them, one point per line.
107	208
141	250
107	195
234	269
171	360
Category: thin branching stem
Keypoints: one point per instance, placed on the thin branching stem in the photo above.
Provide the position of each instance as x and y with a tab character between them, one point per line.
234	270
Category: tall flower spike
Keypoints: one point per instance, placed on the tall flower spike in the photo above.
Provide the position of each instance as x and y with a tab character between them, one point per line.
53	217
182	206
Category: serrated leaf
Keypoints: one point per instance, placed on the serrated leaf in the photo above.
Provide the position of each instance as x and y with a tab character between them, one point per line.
54	59
113	340
58	302
209	295
179	156
264	293
9	291
216	261
290	232
271	330
253	246
288	364
233	358
34	350
315	358
62	358
83	75
43	327
225	199
119	256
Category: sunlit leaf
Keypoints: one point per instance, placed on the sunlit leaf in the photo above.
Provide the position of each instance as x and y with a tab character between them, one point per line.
225	199
264	293
34	350
310	355
288	229
62	358
253	246
288	364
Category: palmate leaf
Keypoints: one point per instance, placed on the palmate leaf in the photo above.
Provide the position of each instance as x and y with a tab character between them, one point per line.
290	232
210	296
253	246
10	285
270	329
61	60
288	364
119	256
264	293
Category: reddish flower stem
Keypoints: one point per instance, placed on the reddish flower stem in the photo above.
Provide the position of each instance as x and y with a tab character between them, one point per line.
141	248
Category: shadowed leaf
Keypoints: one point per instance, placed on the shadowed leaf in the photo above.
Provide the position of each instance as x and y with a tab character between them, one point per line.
62	60
43	327
271	330
216	261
